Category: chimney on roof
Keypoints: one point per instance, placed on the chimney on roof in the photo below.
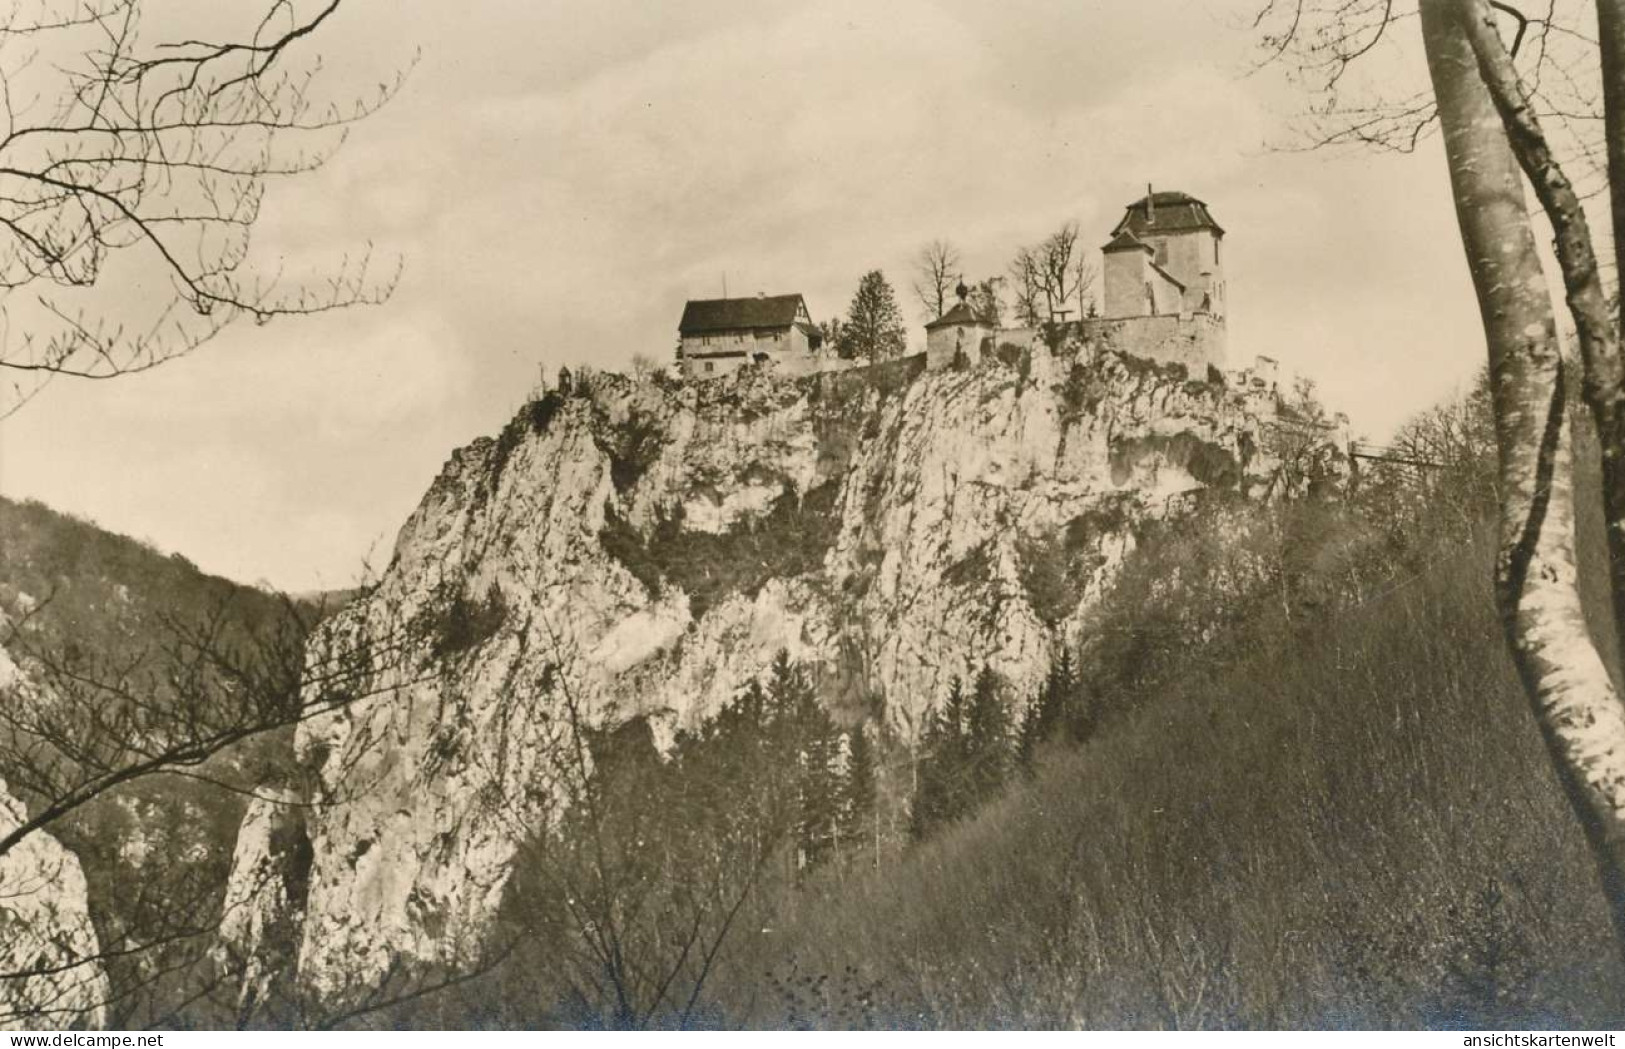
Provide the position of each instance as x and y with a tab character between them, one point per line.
1150	206
761	295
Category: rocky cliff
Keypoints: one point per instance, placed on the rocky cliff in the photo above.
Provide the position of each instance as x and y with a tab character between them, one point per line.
51	974
646	547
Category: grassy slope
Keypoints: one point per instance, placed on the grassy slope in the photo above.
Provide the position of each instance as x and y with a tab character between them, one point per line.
1344	821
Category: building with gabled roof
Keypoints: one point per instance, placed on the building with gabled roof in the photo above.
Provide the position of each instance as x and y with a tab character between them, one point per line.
1163	276
1136	284
1184	243
717	336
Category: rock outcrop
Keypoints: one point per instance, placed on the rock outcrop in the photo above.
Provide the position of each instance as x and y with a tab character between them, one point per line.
50	970
646	548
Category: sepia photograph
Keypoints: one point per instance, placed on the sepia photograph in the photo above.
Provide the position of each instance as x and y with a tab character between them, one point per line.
751	515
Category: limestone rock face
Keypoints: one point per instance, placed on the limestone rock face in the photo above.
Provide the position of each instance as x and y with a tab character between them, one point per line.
45	926
45	930
645	548
265	896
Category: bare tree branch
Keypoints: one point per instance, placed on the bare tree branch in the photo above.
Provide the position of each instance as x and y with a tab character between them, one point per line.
936	271
163	156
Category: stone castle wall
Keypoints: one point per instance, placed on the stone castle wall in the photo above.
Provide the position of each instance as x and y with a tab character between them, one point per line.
1195	340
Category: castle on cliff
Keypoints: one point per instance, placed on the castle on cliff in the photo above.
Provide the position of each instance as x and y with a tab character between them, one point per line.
1163	299
1163	274
1163	295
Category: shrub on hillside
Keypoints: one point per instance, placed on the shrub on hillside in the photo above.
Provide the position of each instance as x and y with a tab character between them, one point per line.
463	623
791	539
621	905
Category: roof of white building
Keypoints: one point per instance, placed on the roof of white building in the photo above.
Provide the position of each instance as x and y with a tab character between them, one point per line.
761	311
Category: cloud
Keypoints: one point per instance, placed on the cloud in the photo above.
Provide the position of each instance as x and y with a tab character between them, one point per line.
380	369
795	155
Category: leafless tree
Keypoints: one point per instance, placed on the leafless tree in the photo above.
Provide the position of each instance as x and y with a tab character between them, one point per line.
79	725
1027	284
200	703
1050	275
1503	123
936	271
1085	276
132	175
1441	462
645	367
1059	267
634	903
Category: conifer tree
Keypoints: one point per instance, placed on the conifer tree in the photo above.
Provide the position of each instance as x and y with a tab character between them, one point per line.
1080	714
731	760
819	792
966	750
987	740
936	758
1045	712
874	328
945	791
955	718
858	811
806	749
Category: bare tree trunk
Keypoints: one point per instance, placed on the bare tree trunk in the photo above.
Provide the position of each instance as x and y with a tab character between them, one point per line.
1611	36
1574	701
1603	384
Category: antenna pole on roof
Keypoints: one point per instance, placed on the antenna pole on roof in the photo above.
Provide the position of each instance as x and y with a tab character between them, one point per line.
1150	205
725	284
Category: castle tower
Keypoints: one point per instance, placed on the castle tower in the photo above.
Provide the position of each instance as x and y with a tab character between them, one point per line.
1165	253
1164	294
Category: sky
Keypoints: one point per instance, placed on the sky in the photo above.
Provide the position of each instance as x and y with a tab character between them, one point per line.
558	176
